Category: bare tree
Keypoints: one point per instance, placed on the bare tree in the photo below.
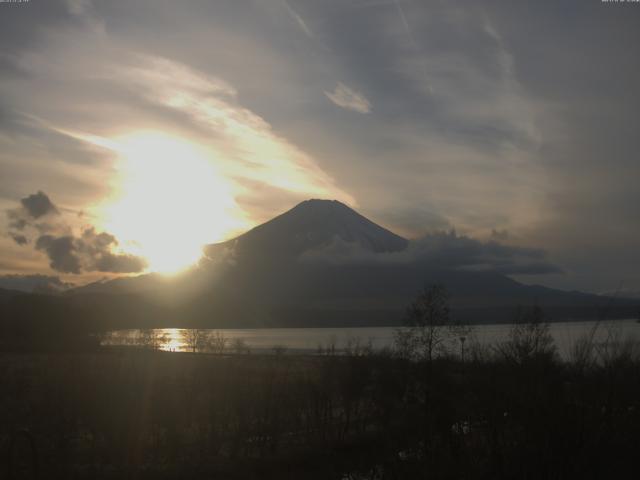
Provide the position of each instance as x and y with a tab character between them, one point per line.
217	342
196	339
355	347
152	338
239	346
583	350
428	325
529	338
405	343
616	349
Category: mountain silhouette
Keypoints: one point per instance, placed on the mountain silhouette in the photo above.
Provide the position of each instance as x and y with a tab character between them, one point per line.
310	225
263	278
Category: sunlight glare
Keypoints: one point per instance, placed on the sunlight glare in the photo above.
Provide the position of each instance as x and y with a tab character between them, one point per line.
170	201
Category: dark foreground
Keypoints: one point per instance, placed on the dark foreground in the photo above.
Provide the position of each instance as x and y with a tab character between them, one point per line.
153	415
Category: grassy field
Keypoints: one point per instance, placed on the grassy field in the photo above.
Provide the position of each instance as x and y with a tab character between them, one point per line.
127	413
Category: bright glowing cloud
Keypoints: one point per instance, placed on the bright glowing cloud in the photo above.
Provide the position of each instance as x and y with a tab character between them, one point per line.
244	144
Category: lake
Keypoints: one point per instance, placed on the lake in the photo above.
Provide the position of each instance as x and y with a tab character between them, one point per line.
308	340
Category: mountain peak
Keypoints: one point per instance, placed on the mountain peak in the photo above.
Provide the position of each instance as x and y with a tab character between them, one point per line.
314	224
319	201
320	205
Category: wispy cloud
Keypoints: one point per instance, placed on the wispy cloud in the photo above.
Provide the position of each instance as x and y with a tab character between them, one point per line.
241	143
78	7
301	23
348	98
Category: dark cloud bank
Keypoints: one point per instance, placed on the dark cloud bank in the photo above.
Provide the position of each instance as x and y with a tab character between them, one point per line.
91	251
441	251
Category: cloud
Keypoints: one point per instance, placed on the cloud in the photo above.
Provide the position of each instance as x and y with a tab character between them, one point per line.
441	251
38	205
90	251
122	263
34	283
17	219
243	145
61	252
301	23
19	238
96	250
30	213
348	98
78	7
532	268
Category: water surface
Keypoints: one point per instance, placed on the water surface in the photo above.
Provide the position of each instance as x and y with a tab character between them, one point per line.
310	340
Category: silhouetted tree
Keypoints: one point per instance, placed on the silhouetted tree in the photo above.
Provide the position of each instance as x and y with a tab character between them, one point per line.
616	349
195	338
217	342
239	346
582	352
529	338
152	339
428	325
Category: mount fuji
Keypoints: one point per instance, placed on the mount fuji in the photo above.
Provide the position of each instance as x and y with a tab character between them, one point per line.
311	225
320	264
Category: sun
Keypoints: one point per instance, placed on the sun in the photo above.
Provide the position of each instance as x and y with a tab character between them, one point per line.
169	200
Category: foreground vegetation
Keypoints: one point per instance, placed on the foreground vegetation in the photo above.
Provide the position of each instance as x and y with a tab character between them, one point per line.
438	405
507	411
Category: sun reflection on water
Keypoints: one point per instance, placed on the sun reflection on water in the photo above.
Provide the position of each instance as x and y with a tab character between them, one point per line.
174	341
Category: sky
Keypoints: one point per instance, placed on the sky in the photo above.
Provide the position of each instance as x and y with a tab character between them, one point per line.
133	132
